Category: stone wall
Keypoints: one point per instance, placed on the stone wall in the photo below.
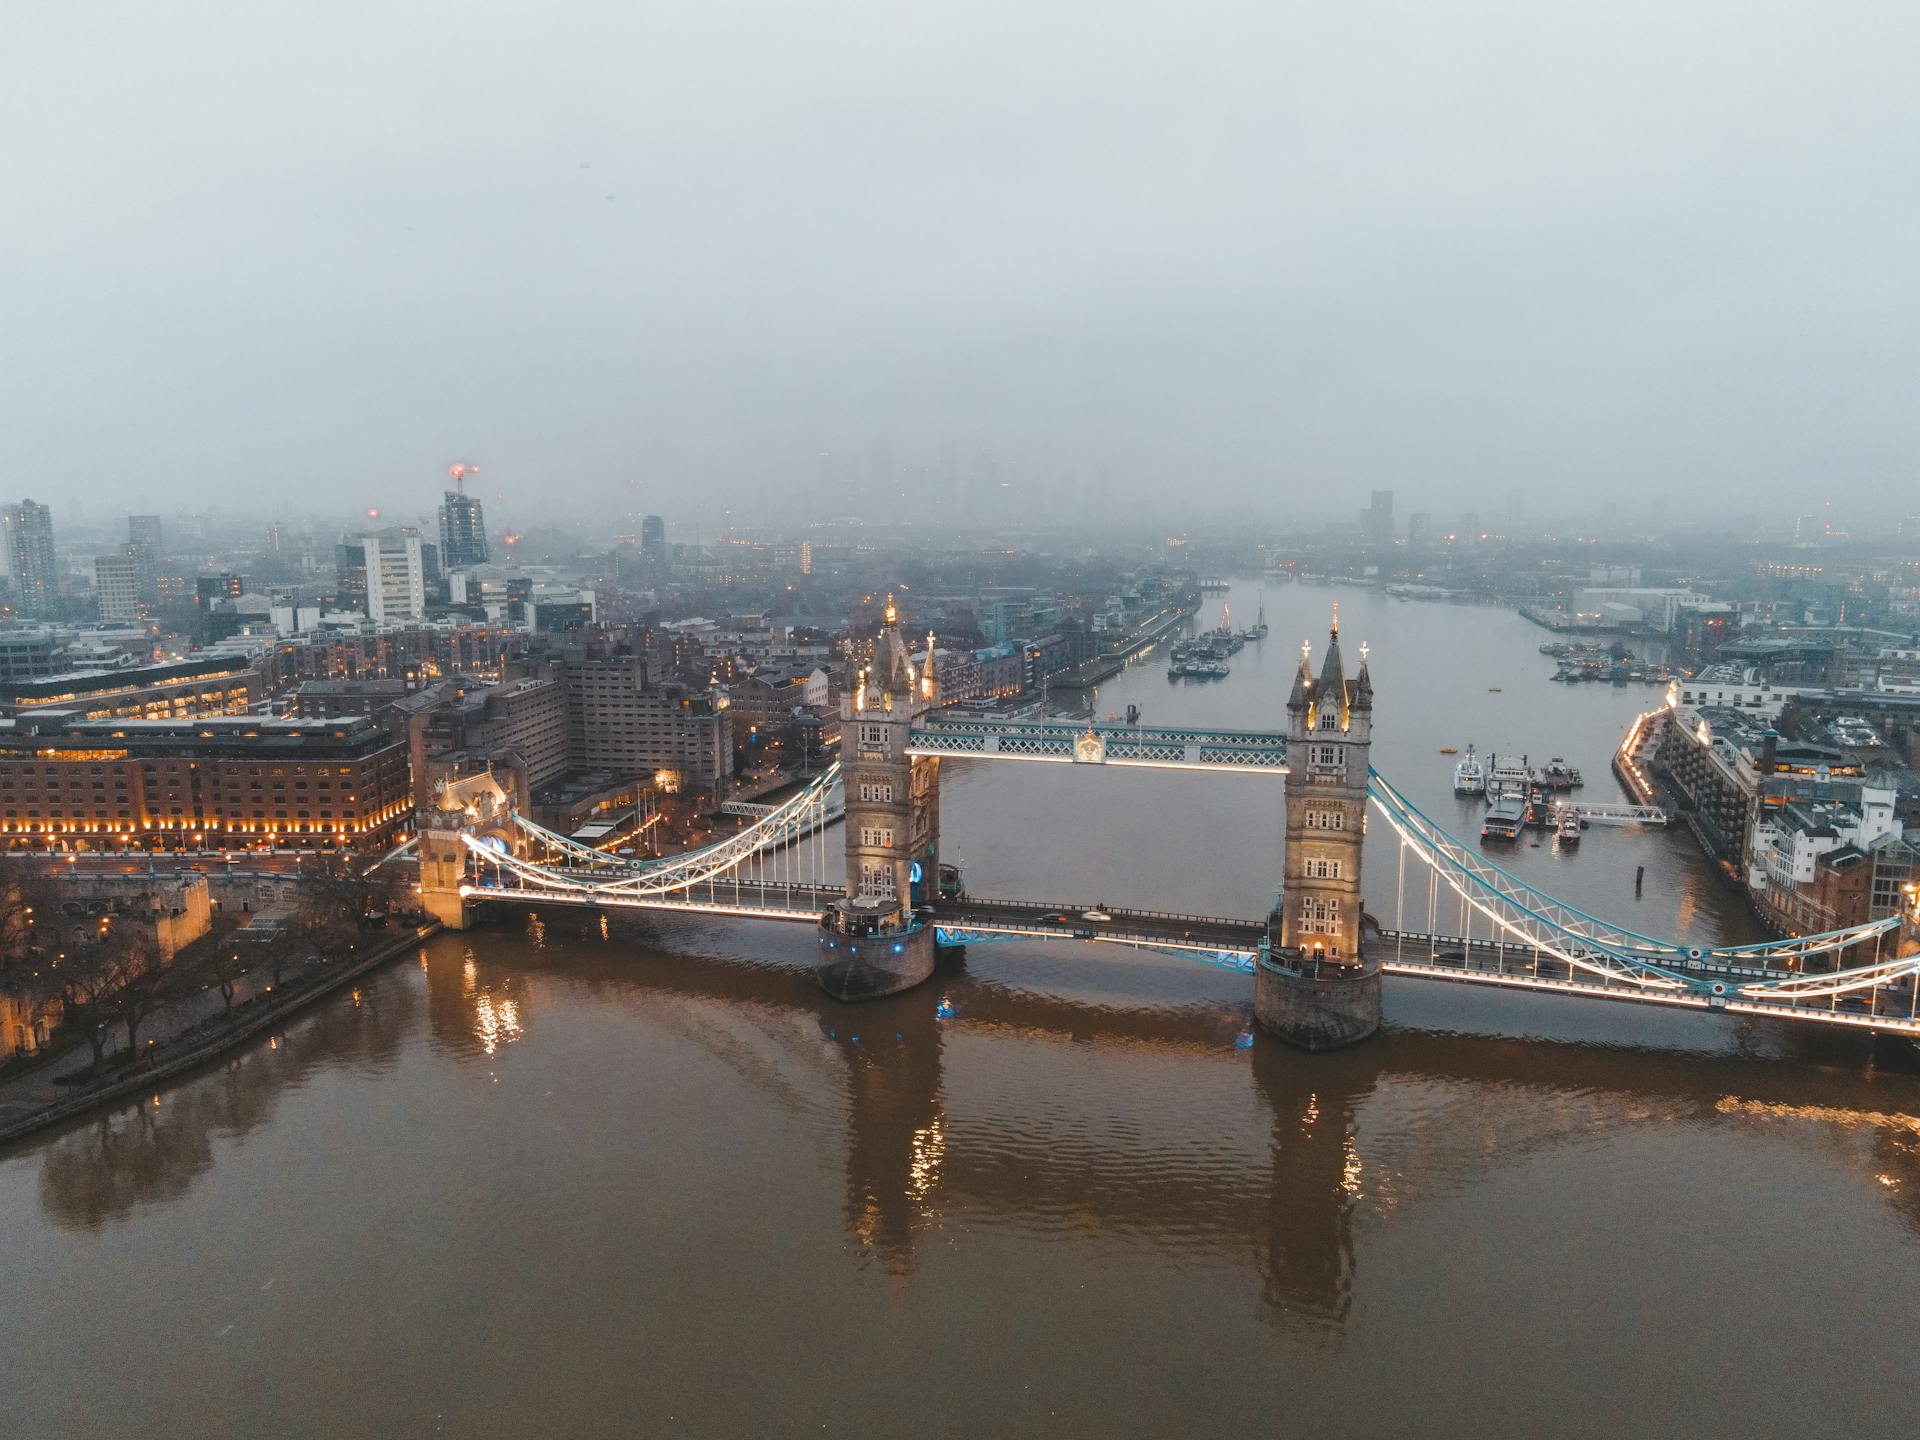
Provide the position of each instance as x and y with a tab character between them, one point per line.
1315	1013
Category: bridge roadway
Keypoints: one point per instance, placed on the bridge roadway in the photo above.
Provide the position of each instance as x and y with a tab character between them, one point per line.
1214	937
1205	936
1234	944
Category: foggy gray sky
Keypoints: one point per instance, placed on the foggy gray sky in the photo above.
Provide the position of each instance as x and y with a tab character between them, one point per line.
303	255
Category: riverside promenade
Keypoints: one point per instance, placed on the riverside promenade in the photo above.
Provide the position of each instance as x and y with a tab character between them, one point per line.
185	1035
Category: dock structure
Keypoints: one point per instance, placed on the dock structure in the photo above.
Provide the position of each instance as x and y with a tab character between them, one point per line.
1617	814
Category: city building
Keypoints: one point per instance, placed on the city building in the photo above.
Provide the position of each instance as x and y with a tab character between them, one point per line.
653	541
116	584
216	684
1377	519
516	726
28	533
463	530
208	589
1001	670
619	723
766	703
221	782
396	587
27	654
350	576
143	538
1652	608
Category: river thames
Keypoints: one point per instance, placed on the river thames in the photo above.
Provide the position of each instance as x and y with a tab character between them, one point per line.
550	1180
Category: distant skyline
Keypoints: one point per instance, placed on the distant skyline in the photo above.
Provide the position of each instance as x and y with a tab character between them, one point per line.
1218	259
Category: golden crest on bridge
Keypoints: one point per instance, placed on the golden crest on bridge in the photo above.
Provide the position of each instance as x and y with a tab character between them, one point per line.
1090	749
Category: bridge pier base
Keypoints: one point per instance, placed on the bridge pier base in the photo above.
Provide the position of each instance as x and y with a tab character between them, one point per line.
1337	1007
446	906
864	955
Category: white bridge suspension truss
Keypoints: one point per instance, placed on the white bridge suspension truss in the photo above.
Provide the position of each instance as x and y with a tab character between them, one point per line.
1759	978
752	855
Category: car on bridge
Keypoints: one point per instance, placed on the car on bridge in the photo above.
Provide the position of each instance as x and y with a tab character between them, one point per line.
1097	916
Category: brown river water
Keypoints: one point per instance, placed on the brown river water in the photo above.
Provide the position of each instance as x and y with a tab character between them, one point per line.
545	1179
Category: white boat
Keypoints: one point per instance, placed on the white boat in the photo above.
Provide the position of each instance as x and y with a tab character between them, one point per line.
1469	776
1569	826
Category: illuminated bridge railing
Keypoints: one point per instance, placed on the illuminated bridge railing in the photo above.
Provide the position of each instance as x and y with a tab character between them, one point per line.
1061	742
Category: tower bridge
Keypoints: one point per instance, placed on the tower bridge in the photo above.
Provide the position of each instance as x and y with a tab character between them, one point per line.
1316	959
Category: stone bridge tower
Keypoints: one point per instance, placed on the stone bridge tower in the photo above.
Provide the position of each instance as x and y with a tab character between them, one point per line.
1316	986
457	805
871	942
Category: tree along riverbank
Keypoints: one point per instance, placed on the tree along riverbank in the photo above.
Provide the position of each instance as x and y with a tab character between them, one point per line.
213	1037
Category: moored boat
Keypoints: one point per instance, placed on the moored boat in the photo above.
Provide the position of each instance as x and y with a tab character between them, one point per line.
1557	774
1505	820
1469	775
1507	775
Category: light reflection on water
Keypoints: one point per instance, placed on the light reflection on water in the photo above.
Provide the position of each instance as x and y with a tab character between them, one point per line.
1087	1141
583	1178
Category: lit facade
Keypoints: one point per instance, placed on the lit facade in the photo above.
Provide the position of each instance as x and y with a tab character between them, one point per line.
218	782
208	685
1330	739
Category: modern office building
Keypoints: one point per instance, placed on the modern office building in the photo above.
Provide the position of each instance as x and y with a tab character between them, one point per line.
463	531
116	583
203	685
143	538
395	577
1377	519
27	654
209	588
653	540
28	534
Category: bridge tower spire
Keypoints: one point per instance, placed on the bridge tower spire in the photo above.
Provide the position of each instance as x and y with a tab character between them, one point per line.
872	942
1315	985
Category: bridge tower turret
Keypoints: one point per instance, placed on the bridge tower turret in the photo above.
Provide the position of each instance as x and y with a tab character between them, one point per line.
1315	985
872	942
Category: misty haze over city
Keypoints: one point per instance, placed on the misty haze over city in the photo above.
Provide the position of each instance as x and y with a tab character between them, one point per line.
735	719
1149	261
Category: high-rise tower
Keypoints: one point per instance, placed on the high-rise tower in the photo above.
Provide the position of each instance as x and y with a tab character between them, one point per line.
1315	985
463	525
143	540
28	528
